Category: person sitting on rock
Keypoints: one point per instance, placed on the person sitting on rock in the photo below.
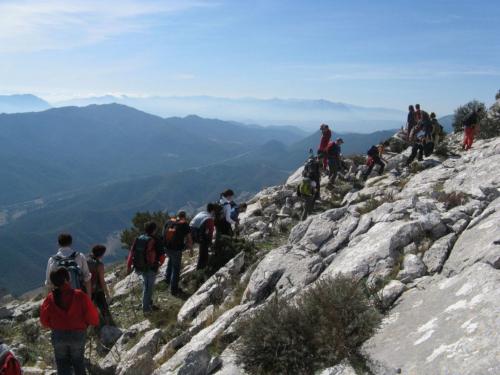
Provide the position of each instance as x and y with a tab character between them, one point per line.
68	313
9	365
374	157
307	191
100	290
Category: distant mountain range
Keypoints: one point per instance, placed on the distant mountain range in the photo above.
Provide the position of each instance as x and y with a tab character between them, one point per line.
22	103
304	113
88	170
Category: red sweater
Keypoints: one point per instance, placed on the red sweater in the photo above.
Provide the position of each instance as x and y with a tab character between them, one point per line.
77	314
325	139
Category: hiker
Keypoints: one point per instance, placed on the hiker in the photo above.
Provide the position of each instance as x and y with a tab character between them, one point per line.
418	113
235	215
417	149
225	222
73	261
202	231
437	130
177	237
411	122
334	153
426	126
9	365
146	257
68	312
100	290
471	126
374	157
326	134
312	171
306	191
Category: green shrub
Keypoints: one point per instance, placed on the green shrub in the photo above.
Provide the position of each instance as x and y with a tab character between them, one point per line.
453	199
397	145
463	111
326	325
490	125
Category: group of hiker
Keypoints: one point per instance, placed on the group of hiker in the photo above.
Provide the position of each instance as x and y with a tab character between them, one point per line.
79	296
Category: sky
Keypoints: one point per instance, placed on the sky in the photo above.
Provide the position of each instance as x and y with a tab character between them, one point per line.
383	53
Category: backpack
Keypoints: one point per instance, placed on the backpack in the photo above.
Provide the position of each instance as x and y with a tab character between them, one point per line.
333	150
9	365
310	169
139	253
373	151
74	270
197	225
94	264
306	189
171	236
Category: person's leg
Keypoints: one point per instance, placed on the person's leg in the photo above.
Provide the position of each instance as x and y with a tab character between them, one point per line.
148	278
420	152
77	350
318	188
412	155
61	353
176	270
202	255
168	272
102	305
381	164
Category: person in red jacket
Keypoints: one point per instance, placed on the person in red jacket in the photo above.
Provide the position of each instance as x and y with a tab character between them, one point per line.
9	365
68	313
326	134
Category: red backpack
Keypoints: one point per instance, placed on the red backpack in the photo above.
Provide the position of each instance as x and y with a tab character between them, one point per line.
9	365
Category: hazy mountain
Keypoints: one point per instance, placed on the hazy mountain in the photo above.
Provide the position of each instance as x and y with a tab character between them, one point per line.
308	114
447	122
22	103
74	148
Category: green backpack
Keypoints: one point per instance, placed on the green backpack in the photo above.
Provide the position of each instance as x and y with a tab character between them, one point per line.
306	188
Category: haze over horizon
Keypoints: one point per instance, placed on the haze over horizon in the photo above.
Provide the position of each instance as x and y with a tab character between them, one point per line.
372	54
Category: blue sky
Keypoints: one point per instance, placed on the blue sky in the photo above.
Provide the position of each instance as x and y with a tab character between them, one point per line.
373	53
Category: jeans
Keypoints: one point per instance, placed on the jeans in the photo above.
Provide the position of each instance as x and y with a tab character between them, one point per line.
203	254
69	350
173	272
148	280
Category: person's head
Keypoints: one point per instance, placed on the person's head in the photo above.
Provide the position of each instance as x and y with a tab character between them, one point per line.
181	215
150	228
65	240
211	208
433	115
417	107
323	127
340	141
242	207
228	194
59	277
411	109
98	251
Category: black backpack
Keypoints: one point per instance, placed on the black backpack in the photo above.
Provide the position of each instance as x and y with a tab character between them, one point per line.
373	151
310	169
72	267
139	253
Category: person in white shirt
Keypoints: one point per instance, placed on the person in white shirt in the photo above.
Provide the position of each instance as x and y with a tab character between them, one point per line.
75	262
224	226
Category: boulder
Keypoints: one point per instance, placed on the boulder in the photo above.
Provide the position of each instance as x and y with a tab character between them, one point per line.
435	257
413	267
140	365
391	292
444	326
109	335
229	364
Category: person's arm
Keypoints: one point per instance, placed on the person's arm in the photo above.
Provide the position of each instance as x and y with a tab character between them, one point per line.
227	213
87	276
151	253
210	227
189	243
91	313
102	281
44	314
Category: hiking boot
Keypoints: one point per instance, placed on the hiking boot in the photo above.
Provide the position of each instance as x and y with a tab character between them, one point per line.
154	308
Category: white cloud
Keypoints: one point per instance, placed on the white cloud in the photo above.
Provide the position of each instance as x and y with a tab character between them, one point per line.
31	25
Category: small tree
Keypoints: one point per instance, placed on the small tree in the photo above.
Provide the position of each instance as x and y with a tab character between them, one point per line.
462	112
128	235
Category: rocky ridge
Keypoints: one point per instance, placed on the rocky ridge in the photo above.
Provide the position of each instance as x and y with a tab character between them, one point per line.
426	237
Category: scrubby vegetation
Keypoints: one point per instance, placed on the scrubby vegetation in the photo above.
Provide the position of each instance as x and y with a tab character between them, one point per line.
462	112
326	325
453	199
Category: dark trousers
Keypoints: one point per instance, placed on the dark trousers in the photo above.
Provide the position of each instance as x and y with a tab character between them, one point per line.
308	207
148	283
378	161
416	149
99	299
335	166
203	255
69	350
173	272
